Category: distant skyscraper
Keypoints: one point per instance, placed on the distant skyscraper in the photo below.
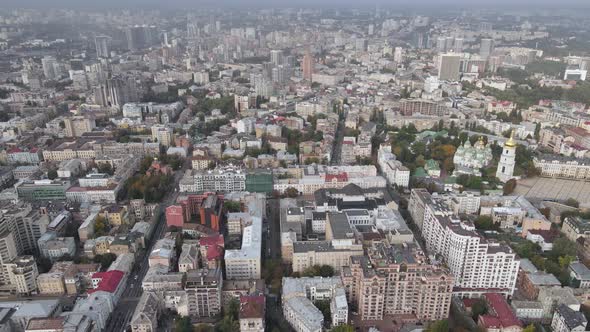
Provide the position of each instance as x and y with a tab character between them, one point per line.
102	46
398	55
441	44
448	67
276	57
485	26
361	44
486	47
50	69
449	43
458	47
307	65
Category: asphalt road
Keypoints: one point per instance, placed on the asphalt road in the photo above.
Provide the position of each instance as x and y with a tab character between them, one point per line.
123	312
273	239
337	148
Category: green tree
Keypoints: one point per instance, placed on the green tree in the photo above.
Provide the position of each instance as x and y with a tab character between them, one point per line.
478	308
291	192
343	328
485	223
438	326
319	271
232	206
572	202
203	328
106	168
562	246
227	324
105	260
233	309
324	307
530	328
101	226
509	187
52	174
183	324
526	249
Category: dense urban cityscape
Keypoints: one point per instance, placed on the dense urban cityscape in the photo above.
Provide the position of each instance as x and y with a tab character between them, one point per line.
310	168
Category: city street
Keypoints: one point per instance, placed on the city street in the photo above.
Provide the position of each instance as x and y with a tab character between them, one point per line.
123	312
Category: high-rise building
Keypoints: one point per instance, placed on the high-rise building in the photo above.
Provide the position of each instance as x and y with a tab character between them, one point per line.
163	135
307	65
396	280
50	67
441	44
22	275
486	47
458	47
448	67
8	252
116	91
477	265
505	170
361	44
102	46
276	57
398	55
78	125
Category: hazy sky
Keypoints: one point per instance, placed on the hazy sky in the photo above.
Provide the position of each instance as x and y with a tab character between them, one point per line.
563	4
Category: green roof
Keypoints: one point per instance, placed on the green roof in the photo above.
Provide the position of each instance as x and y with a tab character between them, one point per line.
432	164
450	180
420	172
430	133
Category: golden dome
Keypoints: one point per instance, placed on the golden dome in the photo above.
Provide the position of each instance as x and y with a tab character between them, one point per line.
510	143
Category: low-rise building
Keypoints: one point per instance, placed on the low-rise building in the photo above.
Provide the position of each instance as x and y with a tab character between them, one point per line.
252	312
567	320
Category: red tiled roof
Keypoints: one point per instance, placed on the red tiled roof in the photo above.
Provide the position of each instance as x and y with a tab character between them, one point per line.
109	281
340	177
214	252
468	303
252	306
212	240
504	314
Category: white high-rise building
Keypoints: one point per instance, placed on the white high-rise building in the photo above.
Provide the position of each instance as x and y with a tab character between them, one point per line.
102	46
505	169
50	67
276	57
398	55
477	265
486	47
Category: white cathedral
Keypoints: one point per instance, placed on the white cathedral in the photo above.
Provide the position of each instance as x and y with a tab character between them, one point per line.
470	159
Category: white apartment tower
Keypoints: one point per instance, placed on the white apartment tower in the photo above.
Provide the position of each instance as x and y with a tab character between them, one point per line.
477	265
505	169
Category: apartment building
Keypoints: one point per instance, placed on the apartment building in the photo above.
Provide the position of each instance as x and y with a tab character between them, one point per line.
336	250
395	280
218	180
22	275
75	126
563	167
476	264
252	312
203	288
298	297
245	263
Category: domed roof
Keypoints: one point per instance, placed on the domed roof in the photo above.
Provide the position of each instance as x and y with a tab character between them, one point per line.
510	143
